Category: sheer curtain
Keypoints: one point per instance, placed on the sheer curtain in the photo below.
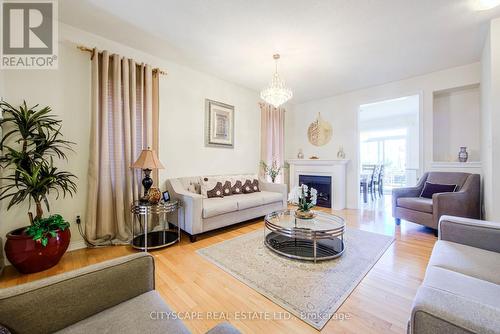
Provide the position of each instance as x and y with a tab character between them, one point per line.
272	142
124	112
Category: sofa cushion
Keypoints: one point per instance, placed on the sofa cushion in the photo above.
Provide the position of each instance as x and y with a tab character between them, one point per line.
435	188
247	187
469	287
142	314
218	206
237	187
457	178
216	191
271	197
247	201
255	185
470	261
226	188
415	203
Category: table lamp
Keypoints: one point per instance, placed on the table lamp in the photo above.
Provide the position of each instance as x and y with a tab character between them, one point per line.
147	161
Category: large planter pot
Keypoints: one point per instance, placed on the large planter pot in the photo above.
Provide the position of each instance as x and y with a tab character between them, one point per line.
29	256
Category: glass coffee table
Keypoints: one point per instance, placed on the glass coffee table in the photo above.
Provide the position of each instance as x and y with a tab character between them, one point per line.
316	239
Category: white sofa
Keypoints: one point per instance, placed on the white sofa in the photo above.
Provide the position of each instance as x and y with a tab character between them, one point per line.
200	214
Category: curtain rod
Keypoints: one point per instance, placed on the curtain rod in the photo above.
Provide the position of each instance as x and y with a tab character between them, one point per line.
87	49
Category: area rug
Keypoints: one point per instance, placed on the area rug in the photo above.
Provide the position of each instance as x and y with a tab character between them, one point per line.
312	292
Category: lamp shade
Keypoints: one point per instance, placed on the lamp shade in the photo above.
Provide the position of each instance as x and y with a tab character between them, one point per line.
147	160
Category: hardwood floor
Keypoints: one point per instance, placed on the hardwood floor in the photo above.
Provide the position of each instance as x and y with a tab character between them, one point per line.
380	304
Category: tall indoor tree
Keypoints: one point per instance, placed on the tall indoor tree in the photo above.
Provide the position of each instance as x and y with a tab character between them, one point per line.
31	140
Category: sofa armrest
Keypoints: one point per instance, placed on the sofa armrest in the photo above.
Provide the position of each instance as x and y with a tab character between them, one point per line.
463	203
407	192
277	188
471	232
190	214
438	311
53	303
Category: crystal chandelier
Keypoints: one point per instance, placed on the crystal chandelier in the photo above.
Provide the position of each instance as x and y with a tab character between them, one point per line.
276	93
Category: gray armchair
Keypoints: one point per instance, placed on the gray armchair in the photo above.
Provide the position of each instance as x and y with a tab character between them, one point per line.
464	202
461	289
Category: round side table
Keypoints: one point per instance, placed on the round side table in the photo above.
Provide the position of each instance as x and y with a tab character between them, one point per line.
166	236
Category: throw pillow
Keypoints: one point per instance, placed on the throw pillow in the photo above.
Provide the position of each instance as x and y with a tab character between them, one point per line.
208	183
247	187
215	191
434	188
192	188
226	188
237	188
255	185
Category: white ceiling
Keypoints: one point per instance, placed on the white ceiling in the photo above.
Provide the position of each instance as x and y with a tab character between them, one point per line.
328	47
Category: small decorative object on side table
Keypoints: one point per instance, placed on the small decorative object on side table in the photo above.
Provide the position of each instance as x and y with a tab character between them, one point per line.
154	195
305	198
163	237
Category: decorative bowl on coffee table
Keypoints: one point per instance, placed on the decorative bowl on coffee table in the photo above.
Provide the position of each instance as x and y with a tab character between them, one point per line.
316	239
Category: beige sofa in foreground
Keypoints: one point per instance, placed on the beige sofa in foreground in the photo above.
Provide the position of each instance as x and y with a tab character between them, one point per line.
461	289
199	214
116	296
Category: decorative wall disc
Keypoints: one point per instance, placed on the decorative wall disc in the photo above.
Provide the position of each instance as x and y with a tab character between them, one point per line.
319	132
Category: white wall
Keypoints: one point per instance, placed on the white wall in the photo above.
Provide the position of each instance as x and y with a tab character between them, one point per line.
457	123
490	114
182	101
342	112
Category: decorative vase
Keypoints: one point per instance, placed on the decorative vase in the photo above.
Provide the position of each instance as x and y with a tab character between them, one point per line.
341	153
463	155
300	155
304	214
154	195
29	256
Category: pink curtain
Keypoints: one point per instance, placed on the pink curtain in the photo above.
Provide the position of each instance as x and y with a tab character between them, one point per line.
272	142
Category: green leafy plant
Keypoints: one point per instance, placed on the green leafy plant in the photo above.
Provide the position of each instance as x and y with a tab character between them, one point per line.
273	170
31	139
42	229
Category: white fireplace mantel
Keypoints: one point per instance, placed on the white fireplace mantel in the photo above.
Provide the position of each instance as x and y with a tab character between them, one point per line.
322	167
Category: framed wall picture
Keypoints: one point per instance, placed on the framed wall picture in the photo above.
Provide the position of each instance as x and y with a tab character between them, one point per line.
219	124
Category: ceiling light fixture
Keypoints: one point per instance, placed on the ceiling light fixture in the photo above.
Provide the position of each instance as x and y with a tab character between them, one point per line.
486	4
276	93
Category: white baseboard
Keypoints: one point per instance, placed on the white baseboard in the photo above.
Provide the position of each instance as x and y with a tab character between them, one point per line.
79	244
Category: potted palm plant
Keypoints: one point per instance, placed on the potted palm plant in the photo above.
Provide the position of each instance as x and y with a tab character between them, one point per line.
30	141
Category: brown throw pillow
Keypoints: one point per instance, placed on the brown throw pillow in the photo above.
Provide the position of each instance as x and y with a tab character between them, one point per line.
247	187
236	189
216	191
226	188
255	185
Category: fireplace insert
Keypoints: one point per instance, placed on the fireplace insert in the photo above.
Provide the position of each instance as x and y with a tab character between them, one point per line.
323	184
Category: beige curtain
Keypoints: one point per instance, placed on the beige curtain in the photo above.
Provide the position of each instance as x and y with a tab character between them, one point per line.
121	126
272	142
